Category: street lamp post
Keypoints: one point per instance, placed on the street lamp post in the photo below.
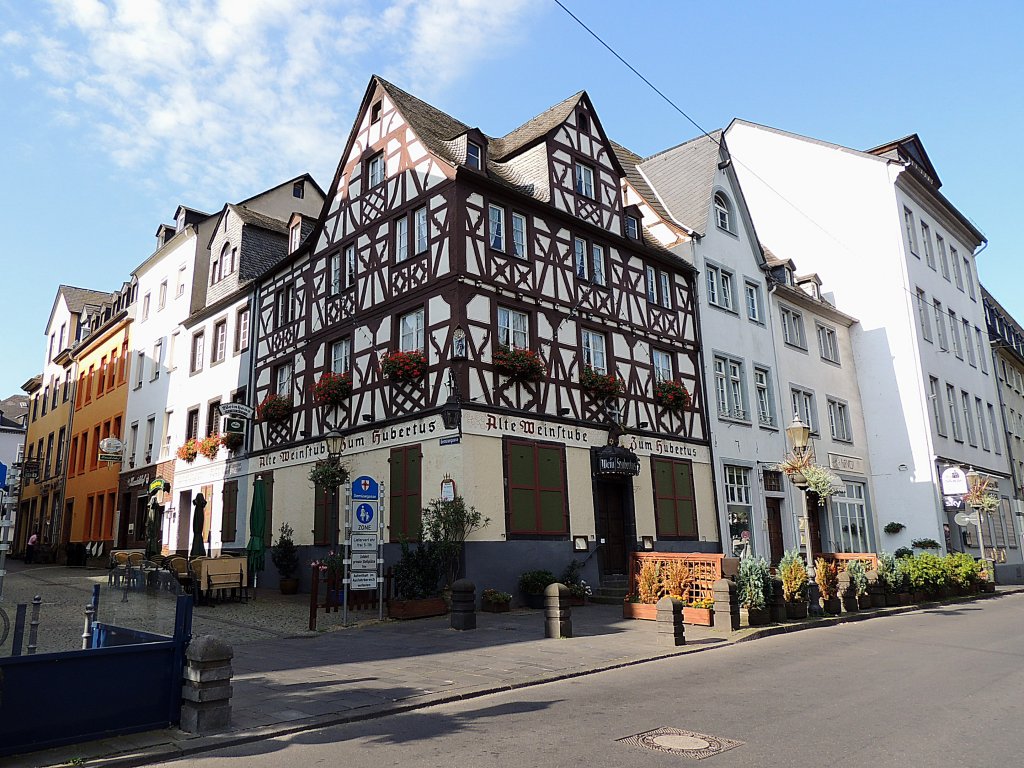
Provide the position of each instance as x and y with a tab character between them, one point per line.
974	480
799	435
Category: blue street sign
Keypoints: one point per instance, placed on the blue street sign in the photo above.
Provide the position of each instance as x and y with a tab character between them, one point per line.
364	514
365	488
3	475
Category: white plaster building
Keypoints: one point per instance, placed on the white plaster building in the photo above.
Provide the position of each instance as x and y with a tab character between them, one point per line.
900	257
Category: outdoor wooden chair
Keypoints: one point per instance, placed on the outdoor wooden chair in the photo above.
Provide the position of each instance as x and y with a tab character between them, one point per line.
118	568
178	566
136	569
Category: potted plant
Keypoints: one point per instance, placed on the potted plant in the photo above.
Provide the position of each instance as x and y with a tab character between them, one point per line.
189	450
285	556
644	592
446	524
859	582
274	407
495	601
328	473
601	385
523	365
965	571
209	446
893	528
579	590
823	481
700	611
904	595
232	441
332	389
332	571
417	577
753	586
793	465
925	543
827	578
672	395
532	584
404	366
793	573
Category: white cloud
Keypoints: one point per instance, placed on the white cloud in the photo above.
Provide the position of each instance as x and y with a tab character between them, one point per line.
223	98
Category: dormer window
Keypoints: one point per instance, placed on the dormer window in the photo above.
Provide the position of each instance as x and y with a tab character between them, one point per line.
632	228
474	155
583	122
375	111
299	189
295	236
722	213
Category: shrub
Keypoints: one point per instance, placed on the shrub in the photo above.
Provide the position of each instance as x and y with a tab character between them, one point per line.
535	582
826	575
858	576
926	572
284	554
404	366
888	576
518	364
793	573
417	573
754	582
447	525
189	450
672	394
602	385
964	571
902	583
332	388
495	596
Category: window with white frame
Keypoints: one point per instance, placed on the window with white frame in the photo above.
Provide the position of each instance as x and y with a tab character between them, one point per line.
922	315
720	284
295	236
518	235
652	284
965	406
828	343
982	350
584	180
145	306
665	288
350	266
340	356
979	412
793	327
765	397
839	420
161	300
729	389
936	400
594	351
181	281
375	169
951	409
662	363
513	328
739	509
926	238
940	324
474	155
994	428
752	296
401	239
283	305
220	341
597	264
632	227
958	276
852	533
908	223
496	227
969	342
283	379
969	277
940	246
802	401
420	229
410	331
242	330
158	353
954	330
723	218
335	274
580	255
198	351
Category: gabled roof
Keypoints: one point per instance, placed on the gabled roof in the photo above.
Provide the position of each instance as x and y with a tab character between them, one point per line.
684	177
302	177
77	299
630	162
434	127
258	219
534	128
910	149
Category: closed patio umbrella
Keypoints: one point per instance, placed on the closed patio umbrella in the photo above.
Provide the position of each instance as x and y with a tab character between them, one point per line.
257	528
198	518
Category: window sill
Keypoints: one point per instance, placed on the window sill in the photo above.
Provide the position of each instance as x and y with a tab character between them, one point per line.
791	345
735	419
721	308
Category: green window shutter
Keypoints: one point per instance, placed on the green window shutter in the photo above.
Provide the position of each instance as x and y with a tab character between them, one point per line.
320	500
268	532
413	499
229	511
535	477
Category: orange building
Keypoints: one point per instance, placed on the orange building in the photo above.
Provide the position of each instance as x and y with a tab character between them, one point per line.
100	399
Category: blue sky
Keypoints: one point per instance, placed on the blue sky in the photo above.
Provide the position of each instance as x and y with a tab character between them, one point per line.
116	112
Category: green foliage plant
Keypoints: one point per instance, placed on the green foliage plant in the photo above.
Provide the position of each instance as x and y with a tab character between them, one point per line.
417	573
924	544
754	582
887	575
826	574
858	576
447	525
903	552
793	573
535	582
926	572
963	570
284	554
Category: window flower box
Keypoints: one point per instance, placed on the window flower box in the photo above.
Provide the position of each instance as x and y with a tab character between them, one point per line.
274	408
523	365
601	385
671	394
332	388
404	366
209	446
189	450
232	441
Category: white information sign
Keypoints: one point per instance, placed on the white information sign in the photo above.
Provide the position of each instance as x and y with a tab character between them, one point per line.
364	517
364	542
363	580
954	481
364	561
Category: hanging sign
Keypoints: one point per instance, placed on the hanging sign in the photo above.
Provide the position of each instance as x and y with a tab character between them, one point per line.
954	481
237	409
447	489
616	461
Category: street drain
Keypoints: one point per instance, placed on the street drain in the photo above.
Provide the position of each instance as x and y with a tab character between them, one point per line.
676	741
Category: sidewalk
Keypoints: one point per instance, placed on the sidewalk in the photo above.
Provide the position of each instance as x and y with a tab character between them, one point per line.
293	683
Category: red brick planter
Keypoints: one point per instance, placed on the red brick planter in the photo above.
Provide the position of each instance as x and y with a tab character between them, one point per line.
417	609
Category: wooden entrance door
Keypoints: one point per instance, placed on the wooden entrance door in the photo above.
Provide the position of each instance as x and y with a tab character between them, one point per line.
775	544
611	527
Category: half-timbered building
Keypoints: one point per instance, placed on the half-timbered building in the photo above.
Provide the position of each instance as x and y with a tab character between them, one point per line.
505	276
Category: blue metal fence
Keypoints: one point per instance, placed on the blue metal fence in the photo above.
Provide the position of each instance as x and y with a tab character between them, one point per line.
129	681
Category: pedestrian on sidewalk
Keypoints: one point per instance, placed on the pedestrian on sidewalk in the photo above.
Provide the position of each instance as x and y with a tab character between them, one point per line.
30	548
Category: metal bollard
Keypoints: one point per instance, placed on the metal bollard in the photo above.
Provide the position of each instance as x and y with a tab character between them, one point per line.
727	606
671	629
33	626
557	611
463	604
90	612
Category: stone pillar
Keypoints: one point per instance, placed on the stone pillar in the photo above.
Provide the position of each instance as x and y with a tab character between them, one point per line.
463	604
776	602
206	693
671	630
727	606
557	611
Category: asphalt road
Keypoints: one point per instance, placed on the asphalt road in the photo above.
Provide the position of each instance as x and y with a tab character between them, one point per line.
941	687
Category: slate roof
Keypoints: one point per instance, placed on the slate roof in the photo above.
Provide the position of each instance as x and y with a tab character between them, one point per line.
258	219
684	177
434	127
262	248
630	161
78	298
533	128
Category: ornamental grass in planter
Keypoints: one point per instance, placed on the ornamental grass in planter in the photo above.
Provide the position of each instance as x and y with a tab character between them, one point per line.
793	573
332	389
826	575
404	366
274	407
189	450
601	385
521	365
672	395
754	589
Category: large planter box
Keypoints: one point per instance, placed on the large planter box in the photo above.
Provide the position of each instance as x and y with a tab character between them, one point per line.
489	607
832	605
796	609
640	611
864	602
701	617
755	617
417	609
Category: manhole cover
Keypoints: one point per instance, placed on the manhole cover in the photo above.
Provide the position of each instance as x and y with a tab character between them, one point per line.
676	741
